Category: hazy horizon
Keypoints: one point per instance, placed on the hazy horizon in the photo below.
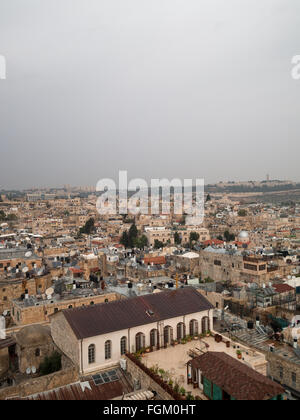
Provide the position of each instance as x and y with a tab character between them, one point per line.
160	88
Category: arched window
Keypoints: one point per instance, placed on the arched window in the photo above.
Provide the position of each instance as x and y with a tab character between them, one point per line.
154	338
140	341
168	335
205	324
108	350
91	353
123	344
180	331
194	330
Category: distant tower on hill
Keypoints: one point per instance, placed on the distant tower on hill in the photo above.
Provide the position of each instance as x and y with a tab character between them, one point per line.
268	177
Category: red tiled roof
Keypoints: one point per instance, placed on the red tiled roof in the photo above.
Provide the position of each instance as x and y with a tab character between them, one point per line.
91	321
95	269
155	260
282	288
234	377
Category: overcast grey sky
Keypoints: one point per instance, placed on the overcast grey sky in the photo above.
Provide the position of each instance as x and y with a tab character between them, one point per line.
162	88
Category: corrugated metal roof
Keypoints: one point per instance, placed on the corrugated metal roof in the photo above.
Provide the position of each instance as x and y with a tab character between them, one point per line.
128	313
88	392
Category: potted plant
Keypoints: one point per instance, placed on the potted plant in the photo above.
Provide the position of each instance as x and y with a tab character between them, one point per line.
189	396
189	338
170	383
196	337
239	354
148	350
176	388
182	392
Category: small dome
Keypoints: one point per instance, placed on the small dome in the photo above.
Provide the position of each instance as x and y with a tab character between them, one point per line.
244	235
33	335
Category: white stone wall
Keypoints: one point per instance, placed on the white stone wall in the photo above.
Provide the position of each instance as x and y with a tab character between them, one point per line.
115	338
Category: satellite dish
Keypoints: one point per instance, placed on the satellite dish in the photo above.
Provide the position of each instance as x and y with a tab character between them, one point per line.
25	270
28	371
49	291
28	254
33	369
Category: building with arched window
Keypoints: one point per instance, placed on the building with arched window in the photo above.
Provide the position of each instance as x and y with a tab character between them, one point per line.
129	325
123	346
92	353
107	349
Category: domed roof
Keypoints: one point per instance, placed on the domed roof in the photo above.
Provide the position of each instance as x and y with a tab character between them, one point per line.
244	235
33	335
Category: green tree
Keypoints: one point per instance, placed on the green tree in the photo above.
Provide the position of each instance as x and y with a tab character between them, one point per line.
242	213
141	242
124	239
89	227
132	235
158	244
229	237
194	236
177	238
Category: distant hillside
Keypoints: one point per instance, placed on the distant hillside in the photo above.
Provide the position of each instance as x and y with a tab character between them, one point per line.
253	187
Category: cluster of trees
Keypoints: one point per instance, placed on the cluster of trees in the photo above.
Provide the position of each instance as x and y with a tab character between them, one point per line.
242	213
229	237
194	237
158	244
132	239
88	228
7	218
